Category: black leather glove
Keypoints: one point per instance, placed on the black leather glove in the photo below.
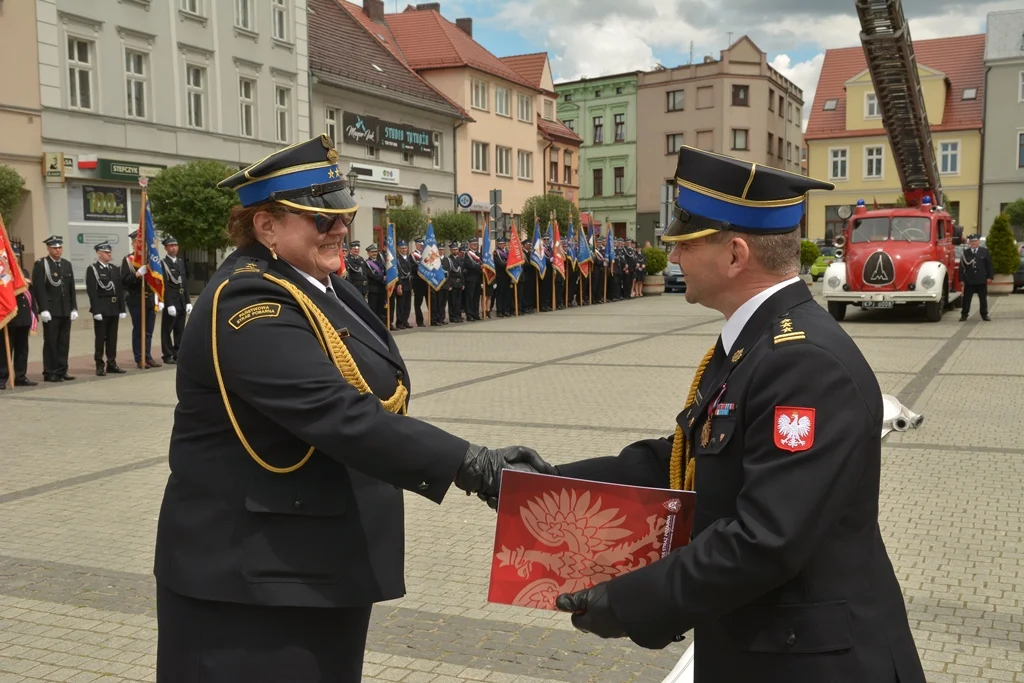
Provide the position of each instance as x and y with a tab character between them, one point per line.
592	611
481	468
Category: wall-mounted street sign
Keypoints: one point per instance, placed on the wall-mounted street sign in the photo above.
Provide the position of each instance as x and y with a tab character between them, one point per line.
465	200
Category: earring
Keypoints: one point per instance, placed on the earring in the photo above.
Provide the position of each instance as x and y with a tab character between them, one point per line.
272	252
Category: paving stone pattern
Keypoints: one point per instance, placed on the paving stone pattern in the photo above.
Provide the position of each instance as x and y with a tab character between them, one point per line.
79	495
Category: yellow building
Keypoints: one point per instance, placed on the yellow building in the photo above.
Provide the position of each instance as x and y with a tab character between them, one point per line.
847	144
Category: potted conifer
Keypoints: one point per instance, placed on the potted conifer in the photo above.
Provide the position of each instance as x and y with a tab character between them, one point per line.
1005	257
656	260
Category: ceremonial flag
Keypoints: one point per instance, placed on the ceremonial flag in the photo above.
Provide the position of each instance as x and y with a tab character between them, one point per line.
390	267
487	258
583	256
12	282
430	262
344	266
609	245
557	251
516	257
146	253
538	259
570	250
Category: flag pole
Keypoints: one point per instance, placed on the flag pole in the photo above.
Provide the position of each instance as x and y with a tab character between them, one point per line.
143	355
7	349
387	294
537	290
515	296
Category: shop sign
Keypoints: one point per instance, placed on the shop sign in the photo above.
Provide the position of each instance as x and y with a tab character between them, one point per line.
394	199
369	131
105	203
53	166
127	171
378	174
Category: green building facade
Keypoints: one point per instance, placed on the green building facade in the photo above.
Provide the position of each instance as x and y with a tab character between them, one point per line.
603	111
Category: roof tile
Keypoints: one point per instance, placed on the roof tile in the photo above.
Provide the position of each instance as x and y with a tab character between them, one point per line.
530	67
960	58
557	129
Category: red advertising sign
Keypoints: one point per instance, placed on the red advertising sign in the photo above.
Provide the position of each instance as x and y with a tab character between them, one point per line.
558	535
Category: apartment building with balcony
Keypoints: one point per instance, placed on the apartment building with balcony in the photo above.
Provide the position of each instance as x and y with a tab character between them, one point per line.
603	111
130	87
737	105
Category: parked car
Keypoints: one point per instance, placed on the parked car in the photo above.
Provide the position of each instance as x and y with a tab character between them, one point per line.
674	281
818	268
1018	277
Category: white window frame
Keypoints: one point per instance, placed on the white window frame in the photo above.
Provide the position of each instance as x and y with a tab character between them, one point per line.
524	108
245	15
549	110
247	103
279	13
746	139
952	153
191	92
503	102
874	160
597	121
192	7
503	161
871	102
75	67
282	113
567	156
671	102
832	159
1020	88
480	159
669	140
132	77
438	139
525	170
332	119
479	95
1018	141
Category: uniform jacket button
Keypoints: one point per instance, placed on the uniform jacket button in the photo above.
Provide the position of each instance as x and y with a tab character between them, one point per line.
299	505
423	486
791	638
399	376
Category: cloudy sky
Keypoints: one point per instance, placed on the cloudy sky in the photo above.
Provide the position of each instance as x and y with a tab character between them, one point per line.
597	37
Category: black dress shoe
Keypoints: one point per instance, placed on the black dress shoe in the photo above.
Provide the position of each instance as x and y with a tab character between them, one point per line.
986	318
963	318
113	369
52	378
66	377
101	370
170	361
24	382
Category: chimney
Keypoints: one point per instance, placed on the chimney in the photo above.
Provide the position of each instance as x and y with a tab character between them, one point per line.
374	10
436	6
466	24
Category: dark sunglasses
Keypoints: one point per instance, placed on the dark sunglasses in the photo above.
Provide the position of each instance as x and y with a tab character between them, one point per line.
325	221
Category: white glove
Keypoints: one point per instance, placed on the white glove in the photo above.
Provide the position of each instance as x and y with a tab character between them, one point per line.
188	308
45	316
172	311
141	271
122	316
98	316
74	315
159	306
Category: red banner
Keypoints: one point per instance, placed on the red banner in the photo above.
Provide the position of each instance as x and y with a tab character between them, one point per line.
12	282
516	257
558	253
558	535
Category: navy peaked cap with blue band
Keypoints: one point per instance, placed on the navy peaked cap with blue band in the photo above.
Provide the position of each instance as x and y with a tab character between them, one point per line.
304	176
717	192
102	246
54	241
169	242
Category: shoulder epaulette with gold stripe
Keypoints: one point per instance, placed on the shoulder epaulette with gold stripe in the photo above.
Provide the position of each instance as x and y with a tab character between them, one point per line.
786	333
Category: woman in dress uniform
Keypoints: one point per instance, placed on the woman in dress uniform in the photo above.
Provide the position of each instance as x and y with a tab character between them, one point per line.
282	519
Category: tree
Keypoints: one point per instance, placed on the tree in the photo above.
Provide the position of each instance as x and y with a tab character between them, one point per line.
1001	246
11	183
454	226
656	260
1015	212
187	204
809	253
410	222
541	207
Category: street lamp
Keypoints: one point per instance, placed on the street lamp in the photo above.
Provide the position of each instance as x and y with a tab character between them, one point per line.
351	177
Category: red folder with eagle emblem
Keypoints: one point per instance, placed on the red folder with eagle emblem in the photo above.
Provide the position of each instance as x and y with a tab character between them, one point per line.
558	535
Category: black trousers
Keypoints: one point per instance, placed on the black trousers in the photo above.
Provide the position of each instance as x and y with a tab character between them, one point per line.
133	310
202	641
969	292
376	299
419	288
171	329
474	290
105	333
56	344
438	306
19	351
455	304
503	298
404	305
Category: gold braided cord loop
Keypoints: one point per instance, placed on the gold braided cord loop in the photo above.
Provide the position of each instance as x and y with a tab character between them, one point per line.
333	346
678	464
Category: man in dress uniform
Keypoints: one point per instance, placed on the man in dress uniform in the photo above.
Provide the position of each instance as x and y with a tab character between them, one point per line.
376	291
976	274
356	268
419	285
106	303
177	302
785	577
456	282
502	280
401	302
527	302
18	330
133	281
597	271
473	266
53	286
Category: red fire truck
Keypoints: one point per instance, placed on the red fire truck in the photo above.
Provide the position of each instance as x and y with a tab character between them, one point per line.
894	257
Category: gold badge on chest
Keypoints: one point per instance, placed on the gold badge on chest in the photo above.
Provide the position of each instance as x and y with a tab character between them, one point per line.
705	433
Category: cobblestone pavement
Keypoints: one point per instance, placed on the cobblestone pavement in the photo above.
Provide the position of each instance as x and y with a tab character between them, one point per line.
79	495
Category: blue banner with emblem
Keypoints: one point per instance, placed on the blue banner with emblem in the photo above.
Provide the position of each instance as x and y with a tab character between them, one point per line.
391	268
538	258
430	268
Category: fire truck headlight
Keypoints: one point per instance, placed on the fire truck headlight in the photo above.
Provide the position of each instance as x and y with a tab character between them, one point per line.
927	282
833	282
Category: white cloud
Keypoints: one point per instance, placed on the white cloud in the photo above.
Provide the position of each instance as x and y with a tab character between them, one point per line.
804	74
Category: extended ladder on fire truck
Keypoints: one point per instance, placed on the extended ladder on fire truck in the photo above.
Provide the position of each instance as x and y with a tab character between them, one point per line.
889	51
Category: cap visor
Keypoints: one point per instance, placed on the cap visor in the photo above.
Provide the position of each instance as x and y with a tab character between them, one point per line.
339	201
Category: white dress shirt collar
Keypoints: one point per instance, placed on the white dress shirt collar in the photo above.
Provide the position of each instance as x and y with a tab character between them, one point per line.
734	325
316	283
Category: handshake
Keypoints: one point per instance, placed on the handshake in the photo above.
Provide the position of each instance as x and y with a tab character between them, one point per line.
481	469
